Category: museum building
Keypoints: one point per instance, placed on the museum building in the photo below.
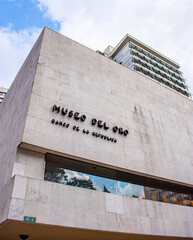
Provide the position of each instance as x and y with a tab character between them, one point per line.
96	145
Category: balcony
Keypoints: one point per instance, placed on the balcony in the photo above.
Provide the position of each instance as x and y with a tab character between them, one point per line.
62	205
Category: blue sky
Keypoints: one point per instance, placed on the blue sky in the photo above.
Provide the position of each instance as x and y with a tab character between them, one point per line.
24	14
164	25
114	186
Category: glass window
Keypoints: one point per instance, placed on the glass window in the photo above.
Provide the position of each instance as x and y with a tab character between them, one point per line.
79	174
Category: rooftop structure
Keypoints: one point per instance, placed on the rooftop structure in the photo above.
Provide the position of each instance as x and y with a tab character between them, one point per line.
3	92
89	152
137	56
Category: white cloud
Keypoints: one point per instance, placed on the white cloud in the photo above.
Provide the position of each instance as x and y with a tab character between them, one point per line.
164	25
77	175
14	47
130	190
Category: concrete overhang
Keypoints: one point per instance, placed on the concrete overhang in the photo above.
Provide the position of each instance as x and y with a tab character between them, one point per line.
11	229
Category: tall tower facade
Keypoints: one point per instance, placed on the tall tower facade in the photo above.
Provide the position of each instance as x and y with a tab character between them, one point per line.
137	56
3	92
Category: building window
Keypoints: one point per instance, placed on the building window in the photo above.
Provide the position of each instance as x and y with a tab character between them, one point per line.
80	174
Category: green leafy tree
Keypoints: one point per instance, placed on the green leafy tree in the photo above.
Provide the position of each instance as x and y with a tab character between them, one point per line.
84	183
56	175
105	189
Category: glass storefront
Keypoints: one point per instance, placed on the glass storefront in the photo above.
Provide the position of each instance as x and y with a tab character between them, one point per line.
84	175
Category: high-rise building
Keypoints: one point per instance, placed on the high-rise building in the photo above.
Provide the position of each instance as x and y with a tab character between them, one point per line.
137	56
93	150
3	92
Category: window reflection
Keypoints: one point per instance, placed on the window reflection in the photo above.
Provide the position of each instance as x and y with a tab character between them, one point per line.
109	181
129	189
168	196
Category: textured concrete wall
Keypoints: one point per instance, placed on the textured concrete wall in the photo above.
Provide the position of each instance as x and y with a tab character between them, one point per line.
13	112
29	163
5	199
58	204
159	120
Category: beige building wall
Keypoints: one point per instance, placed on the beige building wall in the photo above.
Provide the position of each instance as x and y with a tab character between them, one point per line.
160	140
68	206
13	112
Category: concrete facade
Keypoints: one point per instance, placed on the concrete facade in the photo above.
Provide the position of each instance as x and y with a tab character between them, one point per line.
160	142
13	112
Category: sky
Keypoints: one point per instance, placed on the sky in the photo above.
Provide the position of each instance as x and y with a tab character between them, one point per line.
165	25
114	186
